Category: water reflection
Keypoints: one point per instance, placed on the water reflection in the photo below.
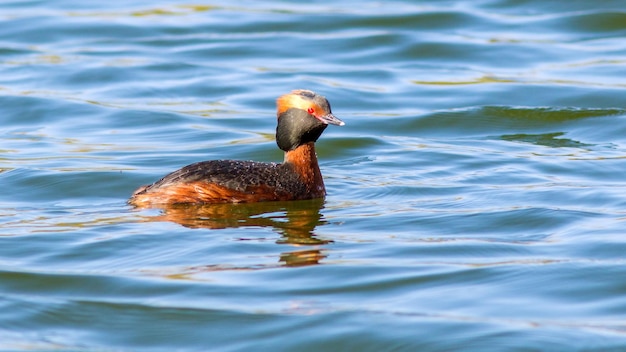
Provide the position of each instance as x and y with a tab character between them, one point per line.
295	221
546	139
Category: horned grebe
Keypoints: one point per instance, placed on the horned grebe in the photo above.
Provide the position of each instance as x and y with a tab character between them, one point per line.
302	117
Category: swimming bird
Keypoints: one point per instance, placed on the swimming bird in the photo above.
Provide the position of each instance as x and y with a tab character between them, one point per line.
302	117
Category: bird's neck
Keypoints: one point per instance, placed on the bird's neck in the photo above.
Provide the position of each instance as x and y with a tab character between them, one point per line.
304	161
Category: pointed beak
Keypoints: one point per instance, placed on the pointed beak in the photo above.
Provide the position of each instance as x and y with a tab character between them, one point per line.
330	119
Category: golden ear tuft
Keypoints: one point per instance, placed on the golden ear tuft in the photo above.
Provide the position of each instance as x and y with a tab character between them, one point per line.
298	99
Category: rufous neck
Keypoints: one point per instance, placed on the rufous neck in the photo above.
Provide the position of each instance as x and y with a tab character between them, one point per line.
304	161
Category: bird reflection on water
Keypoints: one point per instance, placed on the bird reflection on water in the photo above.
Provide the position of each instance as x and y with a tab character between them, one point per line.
295	221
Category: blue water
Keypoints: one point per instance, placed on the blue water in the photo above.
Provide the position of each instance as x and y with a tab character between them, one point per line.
476	195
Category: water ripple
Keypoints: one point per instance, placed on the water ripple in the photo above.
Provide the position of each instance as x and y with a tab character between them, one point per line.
476	191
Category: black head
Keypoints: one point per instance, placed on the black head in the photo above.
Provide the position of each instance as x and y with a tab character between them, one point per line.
302	117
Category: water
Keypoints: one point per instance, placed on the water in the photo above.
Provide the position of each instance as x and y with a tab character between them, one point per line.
476	196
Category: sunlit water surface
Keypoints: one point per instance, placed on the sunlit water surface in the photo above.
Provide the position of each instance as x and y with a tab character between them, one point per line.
476	196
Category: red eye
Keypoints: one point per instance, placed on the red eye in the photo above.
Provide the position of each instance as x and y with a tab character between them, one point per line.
310	110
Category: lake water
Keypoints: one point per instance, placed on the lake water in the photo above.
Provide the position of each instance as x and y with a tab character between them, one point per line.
476	195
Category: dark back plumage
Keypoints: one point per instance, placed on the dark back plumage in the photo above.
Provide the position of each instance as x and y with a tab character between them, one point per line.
238	175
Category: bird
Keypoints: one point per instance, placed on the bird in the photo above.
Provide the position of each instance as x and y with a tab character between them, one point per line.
302	117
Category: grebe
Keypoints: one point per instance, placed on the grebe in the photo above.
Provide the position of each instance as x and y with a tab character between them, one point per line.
302	117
